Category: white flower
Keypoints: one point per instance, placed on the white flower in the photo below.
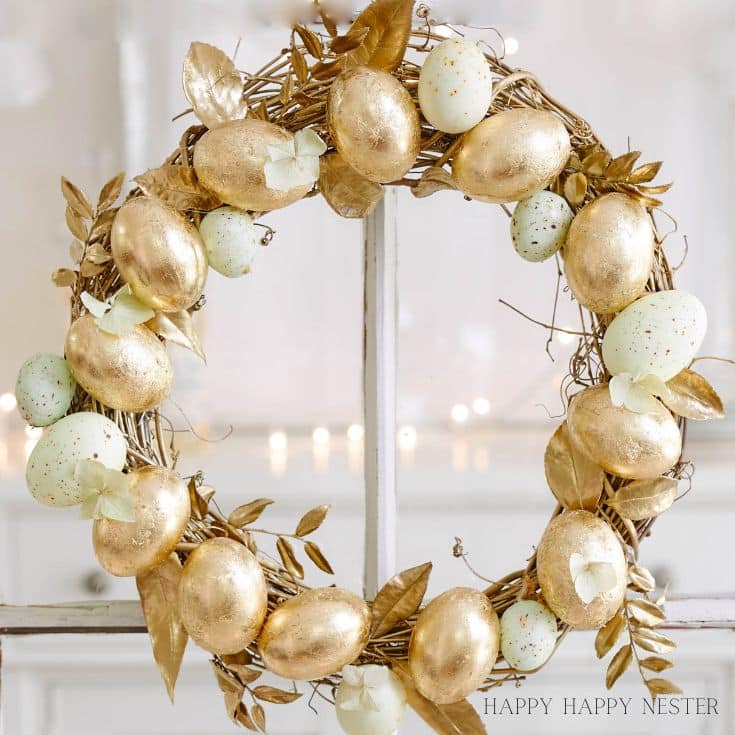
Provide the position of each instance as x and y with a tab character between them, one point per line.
105	492
637	393
121	314
361	686
591	578
294	162
370	700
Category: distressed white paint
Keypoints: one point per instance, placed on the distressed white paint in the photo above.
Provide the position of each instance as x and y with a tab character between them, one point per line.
379	392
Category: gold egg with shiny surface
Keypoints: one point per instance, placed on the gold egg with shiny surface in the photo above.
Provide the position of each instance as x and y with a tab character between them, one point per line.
454	645
131	372
230	161
161	508
627	444
580	532
511	155
159	253
315	634
223	598
373	123
608	253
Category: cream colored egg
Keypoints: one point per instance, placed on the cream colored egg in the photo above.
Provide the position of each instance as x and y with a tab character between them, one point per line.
232	240
455	86
511	155
44	389
528	633
383	712
51	466
658	335
539	225
454	645
591	539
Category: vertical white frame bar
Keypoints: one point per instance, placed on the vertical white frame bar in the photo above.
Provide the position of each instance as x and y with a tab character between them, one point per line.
380	350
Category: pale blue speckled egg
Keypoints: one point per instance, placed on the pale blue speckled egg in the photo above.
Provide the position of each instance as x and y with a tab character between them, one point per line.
539	225
44	389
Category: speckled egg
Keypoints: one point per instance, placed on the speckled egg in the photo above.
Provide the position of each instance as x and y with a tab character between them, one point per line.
539	225
86	435
658	335
44	389
527	635
455	86
231	239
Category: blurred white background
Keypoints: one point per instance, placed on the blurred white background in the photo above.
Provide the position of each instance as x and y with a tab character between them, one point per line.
89	88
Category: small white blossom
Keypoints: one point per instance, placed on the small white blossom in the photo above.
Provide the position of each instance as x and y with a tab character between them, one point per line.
105	492
121	314
637	393
591	578
294	162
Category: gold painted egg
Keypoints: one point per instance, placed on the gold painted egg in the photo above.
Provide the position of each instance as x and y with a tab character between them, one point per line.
454	645
315	634
511	155
230	159
131	372
161	508
608	254
373	123
223	599
581	533
622	442
159	253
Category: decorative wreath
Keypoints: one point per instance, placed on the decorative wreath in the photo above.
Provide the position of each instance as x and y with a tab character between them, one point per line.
342	115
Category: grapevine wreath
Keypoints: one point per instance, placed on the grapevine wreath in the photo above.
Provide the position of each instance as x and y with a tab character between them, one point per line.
342	114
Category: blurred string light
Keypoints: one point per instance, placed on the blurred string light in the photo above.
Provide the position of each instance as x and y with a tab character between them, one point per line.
278	456
320	438
511	46
7	402
459	413
481	406
565	338
278	441
355	433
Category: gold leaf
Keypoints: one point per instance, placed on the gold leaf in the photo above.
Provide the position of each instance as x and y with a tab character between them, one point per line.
76	251
311	41
643	499
249	512
76	199
655	663
646	613
199	498
243	718
110	191
620	167
399	598
286	89
258	715
692	397
646	201
434	179
244	673
459	718
620	662
225	681
102	224
177	327
575	188
352	39
312	520
653	641
329	24
288	557
275	696
596	162
63	277
97	254
327	69
241	658
158	590
315	554
212	85
575	480
76	224
608	635
662	686
641	578
298	64
660	189
90	270
646	172
389	27
178	186
348	193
